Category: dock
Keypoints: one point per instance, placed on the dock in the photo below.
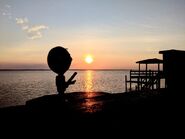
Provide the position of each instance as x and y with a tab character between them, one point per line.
147	79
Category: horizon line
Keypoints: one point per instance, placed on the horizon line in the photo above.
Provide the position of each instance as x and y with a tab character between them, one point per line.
42	69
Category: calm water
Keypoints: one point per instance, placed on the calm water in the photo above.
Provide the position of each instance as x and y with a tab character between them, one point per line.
16	87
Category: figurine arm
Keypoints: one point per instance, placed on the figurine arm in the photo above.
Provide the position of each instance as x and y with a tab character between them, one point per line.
71	81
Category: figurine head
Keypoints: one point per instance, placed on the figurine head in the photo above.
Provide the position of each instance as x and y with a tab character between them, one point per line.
59	60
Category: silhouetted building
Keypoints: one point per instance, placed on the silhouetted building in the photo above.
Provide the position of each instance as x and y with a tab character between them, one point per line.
174	69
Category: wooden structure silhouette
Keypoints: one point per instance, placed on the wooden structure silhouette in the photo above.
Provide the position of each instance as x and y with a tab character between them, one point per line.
174	69
145	79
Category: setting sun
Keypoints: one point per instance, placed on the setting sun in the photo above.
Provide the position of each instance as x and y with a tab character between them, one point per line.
89	59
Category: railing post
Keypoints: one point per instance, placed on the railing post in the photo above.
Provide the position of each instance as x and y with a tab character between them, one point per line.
130	80
126	83
153	74
139	78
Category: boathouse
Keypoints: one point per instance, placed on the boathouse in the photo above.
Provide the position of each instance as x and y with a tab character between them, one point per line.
173	72
147	78
174	69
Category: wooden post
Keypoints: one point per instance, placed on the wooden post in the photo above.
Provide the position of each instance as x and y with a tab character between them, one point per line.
158	67
126	83
159	76
139	78
146	68
146	73
153	80
130	81
159	83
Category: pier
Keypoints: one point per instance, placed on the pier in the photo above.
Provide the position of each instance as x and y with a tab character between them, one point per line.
147	79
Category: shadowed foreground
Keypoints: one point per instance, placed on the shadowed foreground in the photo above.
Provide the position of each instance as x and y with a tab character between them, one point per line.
98	111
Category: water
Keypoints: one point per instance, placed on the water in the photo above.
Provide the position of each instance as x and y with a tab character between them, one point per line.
16	87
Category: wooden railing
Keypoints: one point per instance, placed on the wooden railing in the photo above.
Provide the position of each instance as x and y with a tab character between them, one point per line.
143	80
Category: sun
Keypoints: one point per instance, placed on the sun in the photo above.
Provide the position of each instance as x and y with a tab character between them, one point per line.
89	59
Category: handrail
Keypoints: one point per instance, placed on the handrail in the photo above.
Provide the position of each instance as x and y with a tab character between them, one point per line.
144	79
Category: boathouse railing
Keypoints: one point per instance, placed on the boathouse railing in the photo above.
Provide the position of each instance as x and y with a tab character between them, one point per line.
142	79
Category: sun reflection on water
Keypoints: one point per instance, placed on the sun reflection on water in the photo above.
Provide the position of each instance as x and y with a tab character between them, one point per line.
88	81
91	105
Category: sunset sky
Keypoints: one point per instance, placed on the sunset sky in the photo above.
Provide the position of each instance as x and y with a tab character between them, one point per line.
116	33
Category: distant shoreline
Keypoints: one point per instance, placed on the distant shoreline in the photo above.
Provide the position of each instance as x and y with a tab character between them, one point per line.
69	69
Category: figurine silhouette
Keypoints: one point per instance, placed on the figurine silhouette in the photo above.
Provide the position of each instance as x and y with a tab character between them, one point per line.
59	61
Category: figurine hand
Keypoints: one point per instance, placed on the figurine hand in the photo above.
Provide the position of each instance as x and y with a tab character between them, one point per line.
72	82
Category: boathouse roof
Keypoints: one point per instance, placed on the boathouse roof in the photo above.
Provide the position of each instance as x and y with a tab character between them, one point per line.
171	51
150	61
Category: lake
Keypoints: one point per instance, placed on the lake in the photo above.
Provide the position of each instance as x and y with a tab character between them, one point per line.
16	87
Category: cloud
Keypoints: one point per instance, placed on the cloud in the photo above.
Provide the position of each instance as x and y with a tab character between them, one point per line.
37	28
35	35
34	31
21	20
6	11
25	27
